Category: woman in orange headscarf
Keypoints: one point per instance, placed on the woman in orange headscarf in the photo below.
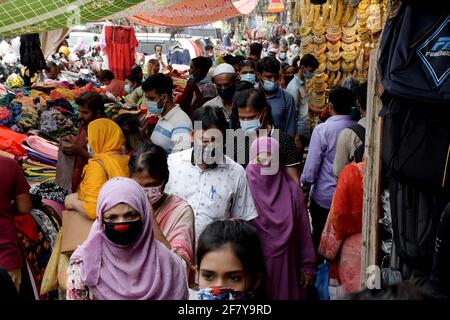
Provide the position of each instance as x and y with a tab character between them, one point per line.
105	145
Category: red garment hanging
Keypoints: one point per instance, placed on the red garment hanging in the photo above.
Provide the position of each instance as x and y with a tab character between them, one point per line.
121	44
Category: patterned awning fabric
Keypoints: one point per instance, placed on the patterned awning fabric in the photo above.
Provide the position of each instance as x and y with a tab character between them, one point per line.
187	13
19	17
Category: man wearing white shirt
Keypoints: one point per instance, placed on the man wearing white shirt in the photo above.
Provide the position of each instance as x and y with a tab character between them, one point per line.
5	47
214	185
158	55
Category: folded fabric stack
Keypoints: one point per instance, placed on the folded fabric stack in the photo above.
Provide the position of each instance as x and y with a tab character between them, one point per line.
41	150
36	172
43	156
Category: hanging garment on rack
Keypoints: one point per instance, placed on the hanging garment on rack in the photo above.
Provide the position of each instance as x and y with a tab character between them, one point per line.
121	44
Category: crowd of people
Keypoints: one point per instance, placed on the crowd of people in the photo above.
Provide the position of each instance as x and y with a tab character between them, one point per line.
231	193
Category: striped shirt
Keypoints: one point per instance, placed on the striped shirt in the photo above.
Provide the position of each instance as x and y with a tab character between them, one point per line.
172	132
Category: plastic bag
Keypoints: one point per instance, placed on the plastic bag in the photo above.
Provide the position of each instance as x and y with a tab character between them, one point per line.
322	279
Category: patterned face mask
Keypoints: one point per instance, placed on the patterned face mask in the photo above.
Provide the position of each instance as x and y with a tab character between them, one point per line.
223	293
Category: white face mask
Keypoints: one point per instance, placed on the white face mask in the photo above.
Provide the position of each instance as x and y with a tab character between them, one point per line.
154	194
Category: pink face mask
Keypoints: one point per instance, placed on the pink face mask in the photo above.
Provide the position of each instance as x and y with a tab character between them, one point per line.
154	194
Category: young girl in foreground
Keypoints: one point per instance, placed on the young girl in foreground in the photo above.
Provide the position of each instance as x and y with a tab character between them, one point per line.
229	262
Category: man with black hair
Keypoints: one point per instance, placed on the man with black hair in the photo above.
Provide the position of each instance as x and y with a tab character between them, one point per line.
214	185
209	53
113	85
297	88
173	127
199	89
53	72
282	103
352	138
255	51
317	178
199	73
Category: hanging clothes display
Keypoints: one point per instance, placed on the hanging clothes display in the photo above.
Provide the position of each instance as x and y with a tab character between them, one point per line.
31	56
121	44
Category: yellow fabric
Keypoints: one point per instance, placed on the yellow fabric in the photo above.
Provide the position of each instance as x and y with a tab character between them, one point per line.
65	51
106	141
50	278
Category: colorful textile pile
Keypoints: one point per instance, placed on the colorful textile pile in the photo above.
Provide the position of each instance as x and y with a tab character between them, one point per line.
37	235
36	172
41	150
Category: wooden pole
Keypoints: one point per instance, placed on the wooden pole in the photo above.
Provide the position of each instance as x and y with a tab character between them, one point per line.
372	180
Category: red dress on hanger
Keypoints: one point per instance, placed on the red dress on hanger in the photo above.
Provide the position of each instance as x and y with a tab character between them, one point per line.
121	44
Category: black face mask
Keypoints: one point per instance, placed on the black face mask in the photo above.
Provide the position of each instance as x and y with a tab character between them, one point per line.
227	93
288	79
123	233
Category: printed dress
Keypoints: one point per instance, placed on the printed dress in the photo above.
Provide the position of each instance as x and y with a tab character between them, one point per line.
76	289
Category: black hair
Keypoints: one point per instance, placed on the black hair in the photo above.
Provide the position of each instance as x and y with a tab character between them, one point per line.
209	47
31	56
250	97
308	60
93	101
342	100
157	46
256	49
237	60
159	82
211	117
151	158
51	64
130	125
361	95
286	67
243	240
296	63
134	78
107	75
136	70
202	63
228	59
268	64
247	63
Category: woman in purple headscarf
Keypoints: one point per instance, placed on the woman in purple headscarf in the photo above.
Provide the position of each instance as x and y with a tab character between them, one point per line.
283	223
121	260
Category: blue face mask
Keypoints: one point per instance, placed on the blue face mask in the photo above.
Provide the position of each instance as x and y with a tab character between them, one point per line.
250	126
308	75
270	86
128	88
222	293
152	107
282	55
249	77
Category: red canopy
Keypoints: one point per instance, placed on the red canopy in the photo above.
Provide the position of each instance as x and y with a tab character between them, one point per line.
186	13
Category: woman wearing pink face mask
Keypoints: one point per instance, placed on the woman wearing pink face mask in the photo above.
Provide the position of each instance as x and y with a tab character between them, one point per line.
174	217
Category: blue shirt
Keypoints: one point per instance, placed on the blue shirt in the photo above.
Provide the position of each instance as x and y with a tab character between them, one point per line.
172	132
284	112
318	170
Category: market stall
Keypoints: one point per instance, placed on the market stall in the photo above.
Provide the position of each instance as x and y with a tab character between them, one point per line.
341	35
